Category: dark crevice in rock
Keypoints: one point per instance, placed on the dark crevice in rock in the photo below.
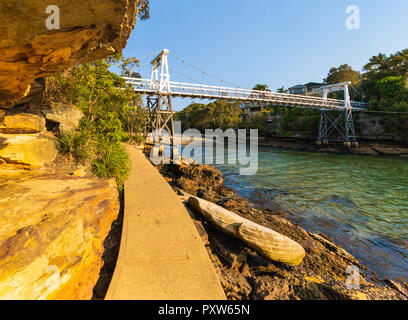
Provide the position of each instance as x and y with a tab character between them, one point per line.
110	255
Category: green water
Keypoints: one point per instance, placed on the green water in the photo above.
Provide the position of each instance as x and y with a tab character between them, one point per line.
360	201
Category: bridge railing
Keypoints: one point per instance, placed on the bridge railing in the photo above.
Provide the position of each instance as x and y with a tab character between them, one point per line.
215	92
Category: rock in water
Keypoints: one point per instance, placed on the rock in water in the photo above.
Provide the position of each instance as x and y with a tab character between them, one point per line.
52	229
266	242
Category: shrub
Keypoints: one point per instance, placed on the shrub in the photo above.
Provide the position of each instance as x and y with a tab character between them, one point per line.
112	162
392	87
76	145
112	114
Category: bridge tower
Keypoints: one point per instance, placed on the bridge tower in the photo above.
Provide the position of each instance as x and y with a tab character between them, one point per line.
159	105
343	124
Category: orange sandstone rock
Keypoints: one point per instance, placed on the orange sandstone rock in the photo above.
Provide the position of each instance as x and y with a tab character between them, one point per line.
23	123
89	30
31	150
52	228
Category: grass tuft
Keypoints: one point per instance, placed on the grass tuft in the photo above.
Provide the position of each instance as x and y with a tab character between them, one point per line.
112	162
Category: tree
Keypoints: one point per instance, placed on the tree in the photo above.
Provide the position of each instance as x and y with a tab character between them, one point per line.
261	87
380	76
127	65
112	114
220	114
143	9
381	66
393	87
344	73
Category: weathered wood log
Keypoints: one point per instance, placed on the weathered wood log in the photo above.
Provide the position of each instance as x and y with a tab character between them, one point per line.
267	242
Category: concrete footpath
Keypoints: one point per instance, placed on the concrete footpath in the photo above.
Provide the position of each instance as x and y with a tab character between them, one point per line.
161	254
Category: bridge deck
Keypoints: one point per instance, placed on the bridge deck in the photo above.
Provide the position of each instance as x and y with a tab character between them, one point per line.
189	90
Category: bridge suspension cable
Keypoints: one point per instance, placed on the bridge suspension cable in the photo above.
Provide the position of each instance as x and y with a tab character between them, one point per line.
204	72
185	76
149	55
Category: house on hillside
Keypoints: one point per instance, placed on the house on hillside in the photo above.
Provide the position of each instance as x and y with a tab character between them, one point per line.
305	88
250	110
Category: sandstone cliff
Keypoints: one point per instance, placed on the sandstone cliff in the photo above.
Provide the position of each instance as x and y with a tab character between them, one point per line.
53	221
52	229
89	30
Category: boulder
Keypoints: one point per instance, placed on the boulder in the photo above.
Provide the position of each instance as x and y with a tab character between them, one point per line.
66	115
22	123
200	180
33	150
267	242
52	230
89	30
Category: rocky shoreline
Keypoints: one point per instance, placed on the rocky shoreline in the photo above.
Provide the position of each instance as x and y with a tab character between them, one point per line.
369	147
246	275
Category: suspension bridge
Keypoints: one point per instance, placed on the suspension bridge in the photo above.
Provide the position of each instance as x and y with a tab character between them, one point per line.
160	91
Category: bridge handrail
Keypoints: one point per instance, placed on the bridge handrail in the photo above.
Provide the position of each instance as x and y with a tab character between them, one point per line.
146	85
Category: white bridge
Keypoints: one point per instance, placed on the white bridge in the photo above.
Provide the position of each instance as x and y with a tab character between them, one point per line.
199	91
159	90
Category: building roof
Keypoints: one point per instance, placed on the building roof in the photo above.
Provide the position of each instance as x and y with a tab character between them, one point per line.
310	84
297	86
314	84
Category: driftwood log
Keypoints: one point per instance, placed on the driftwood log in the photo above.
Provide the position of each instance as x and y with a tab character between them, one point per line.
267	242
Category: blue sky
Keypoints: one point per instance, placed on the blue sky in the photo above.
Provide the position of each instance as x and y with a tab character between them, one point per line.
277	42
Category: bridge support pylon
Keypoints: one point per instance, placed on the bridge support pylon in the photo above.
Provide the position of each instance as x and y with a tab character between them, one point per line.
341	123
159	105
160	117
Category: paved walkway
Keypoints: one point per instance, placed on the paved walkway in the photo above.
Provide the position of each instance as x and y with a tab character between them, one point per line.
161	254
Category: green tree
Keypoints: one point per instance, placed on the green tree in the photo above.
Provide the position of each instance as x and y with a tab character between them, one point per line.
281	90
261	87
143	8
393	87
380	67
344	73
220	114
341	74
112	114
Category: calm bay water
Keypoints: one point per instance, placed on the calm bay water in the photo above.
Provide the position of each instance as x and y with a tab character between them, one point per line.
360	201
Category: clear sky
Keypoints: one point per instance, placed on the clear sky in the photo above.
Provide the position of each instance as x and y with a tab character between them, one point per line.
276	42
